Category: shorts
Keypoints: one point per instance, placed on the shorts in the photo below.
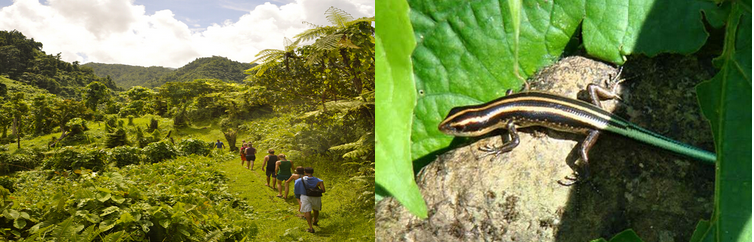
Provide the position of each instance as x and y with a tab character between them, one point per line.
251	158
298	196
243	157
270	172
310	203
283	177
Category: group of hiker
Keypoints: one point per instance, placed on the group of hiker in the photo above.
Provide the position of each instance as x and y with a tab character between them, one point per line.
306	188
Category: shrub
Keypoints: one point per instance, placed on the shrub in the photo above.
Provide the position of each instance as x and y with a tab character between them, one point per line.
111	123
159	151
69	158
118	138
192	146
153	125
130	120
125	155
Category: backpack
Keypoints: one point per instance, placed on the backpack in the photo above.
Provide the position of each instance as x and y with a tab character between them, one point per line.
311	192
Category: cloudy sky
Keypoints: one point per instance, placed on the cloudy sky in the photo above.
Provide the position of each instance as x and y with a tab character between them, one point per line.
167	33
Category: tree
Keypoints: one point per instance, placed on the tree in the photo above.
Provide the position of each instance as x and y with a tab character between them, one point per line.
353	39
64	111
19	108
95	92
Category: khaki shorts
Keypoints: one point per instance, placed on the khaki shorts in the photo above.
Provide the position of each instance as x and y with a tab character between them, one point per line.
310	203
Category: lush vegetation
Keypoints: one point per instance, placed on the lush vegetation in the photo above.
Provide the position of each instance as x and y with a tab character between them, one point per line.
136	164
23	60
126	76
215	67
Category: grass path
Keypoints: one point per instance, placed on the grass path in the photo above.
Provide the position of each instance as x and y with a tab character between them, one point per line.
277	217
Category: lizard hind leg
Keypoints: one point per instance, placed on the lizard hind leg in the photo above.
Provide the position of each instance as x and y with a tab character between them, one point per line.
586	145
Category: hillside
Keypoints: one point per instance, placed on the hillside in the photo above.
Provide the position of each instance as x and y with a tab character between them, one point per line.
215	67
126	76
22	60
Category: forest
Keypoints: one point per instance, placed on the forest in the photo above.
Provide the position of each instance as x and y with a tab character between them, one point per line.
129	156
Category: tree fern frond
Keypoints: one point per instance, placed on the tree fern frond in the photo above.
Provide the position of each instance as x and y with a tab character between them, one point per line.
314	33
338	17
328	42
345	42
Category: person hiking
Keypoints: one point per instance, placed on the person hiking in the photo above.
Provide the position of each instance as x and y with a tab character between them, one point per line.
243	153
299	173
251	155
310	205
283	169
269	163
219	144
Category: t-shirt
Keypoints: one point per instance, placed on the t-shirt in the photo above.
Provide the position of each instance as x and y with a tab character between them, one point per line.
250	151
219	144
311	182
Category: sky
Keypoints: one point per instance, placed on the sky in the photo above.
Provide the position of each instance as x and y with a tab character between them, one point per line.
169	33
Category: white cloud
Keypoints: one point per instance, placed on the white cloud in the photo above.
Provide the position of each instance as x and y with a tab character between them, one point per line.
117	31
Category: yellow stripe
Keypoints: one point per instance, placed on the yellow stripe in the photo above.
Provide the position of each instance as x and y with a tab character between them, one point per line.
551	110
525	98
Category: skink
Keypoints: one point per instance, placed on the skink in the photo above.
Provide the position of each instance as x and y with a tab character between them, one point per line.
527	109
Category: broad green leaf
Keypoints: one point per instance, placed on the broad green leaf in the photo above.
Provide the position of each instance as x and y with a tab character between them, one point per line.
726	102
614	29
118	199
396	98
109	210
626	236
466	54
165	223
103	196
702	229
19	223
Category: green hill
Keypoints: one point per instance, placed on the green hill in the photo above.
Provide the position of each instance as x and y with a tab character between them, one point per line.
215	67
126	76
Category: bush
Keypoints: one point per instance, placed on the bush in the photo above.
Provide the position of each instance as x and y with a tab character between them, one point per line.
118	138
192	146
141	140
153	125
7	182
125	155
130	120
111	123
159	151
70	158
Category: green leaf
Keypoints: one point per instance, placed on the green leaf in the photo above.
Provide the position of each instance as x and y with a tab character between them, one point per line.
103	196
396	97
19	223
626	236
702	229
10	214
726	102
109	210
613	30
466	55
165	223
118	199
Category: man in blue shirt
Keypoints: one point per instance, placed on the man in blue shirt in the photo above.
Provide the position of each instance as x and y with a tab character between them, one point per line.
219	144
309	204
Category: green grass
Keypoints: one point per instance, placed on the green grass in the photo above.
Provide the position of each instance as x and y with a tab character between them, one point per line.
277	217
340	219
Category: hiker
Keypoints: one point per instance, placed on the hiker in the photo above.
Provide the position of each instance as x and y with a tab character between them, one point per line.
310	203
299	173
269	163
283	169
243	153
219	144
251	155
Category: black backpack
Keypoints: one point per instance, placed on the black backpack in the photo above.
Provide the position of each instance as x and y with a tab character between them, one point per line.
311	192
